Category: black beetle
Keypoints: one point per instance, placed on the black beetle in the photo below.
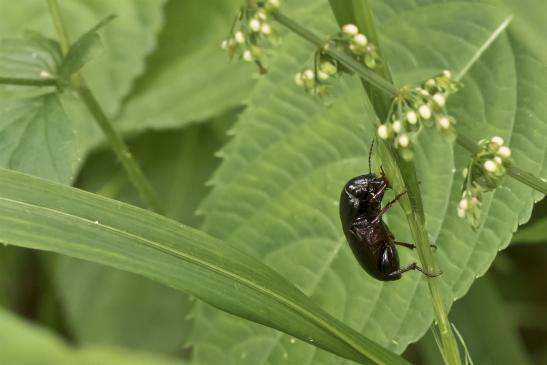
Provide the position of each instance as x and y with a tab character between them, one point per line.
369	237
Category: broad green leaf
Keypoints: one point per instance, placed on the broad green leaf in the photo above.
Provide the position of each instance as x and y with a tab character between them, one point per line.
96	297
535	232
37	137
26	344
127	41
189	78
31	56
45	216
87	47
276	194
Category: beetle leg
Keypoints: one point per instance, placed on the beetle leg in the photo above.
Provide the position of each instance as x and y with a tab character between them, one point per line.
414	266
381	191
387	206
411	245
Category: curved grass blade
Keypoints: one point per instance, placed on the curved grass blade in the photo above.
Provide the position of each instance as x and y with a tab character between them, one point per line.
46	216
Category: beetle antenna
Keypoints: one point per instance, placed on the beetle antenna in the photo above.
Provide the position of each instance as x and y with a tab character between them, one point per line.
370	157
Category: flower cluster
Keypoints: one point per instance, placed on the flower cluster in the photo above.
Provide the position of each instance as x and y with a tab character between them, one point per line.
315	80
483	174
253	30
415	108
358	45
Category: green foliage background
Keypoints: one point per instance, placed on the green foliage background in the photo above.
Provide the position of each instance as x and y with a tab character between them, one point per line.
273	192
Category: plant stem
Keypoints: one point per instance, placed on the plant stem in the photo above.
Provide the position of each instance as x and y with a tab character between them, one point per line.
55	12
27	82
121	150
403	174
131	166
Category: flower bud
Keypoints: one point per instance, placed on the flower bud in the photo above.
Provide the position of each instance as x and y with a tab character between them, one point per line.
266	29
439	100
350	29
383	131
444	122
411	117
397	126
425	111
491	166
239	37
255	25
248	56
497	140
403	140
360	40
504	152
298	79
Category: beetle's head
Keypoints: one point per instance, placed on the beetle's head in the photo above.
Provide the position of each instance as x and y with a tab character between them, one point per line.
366	188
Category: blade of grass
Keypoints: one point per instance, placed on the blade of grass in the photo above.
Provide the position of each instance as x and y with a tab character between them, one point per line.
45	216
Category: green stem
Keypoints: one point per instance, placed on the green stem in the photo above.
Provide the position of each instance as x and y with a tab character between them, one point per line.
403	174
55	12
27	82
132	168
141	183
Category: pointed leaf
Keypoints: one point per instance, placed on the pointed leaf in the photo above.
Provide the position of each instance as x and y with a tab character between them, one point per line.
37	138
87	47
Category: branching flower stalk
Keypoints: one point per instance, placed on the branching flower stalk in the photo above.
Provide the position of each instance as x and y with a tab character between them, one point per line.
77	82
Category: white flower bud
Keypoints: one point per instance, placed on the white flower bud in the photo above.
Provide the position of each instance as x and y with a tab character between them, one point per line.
273	4
461	213
444	123
308	75
350	29
266	29
439	99
412	117
403	140
298	79
255	25
360	40
397	126
490	166
474	201
447	74
383	131
498	160
463	204
239	37
497	140
504	152
248	56
465	172
322	75
224	44
425	111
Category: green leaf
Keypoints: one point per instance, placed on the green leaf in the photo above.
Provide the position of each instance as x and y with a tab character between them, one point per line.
37	138
31	56
532	233
276	194
189	78
127	42
96	297
46	216
87	47
24	343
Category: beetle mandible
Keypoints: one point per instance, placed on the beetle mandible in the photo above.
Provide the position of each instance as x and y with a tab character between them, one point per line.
370	239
